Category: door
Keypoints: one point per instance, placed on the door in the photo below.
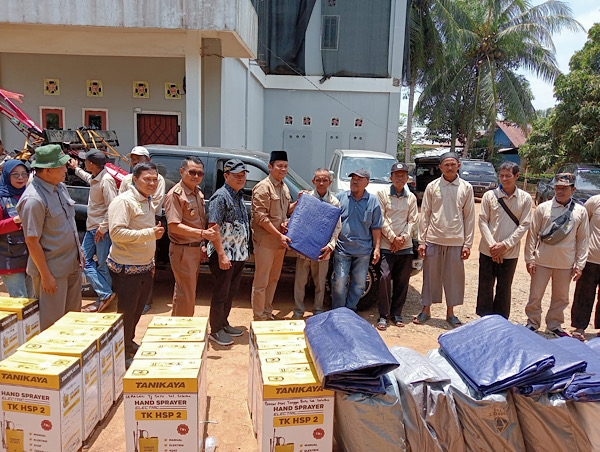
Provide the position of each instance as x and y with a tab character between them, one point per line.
155	128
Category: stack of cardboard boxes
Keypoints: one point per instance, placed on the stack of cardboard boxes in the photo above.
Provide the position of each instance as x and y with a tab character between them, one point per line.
290	410
165	387
61	383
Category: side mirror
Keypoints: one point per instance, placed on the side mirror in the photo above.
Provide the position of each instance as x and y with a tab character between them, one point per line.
331	175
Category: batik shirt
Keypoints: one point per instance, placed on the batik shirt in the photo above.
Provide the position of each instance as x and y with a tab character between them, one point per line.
226	208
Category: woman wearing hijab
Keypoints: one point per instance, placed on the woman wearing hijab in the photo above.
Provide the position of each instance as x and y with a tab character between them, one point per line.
13	251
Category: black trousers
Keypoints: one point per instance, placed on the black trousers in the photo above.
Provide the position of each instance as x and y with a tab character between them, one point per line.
491	272
132	292
585	294
395	269
227	283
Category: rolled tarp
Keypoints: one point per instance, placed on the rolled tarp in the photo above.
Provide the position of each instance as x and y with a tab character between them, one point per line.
550	423
430	418
489	423
556	378
493	355
348	353
309	236
370	422
585	386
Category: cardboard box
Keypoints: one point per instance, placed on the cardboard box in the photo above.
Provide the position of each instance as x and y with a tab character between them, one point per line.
196	323
41	403
174	335
294	412
115	321
85	350
28	315
165	405
9	336
102	334
171	350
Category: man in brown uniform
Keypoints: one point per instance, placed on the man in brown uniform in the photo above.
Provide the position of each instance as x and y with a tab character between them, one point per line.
271	206
186	219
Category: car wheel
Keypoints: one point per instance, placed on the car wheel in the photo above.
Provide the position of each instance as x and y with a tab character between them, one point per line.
369	296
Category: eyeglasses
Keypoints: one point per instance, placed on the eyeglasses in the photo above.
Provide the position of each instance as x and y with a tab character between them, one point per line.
195	173
21	175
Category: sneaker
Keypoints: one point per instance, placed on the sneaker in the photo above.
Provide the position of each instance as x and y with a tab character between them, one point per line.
559	332
297	316
235	332
221	338
134	346
273	317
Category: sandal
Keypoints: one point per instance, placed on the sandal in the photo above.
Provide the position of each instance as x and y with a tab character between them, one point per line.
381	324
103	304
421	318
398	321
579	334
453	321
91	307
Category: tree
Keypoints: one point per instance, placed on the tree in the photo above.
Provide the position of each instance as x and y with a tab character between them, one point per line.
485	43
571	133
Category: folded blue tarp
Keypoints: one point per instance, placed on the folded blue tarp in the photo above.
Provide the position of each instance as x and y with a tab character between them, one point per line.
594	344
493	355
584	387
348	353
556	378
308	235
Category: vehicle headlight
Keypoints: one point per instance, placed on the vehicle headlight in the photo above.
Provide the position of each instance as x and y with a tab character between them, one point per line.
493	185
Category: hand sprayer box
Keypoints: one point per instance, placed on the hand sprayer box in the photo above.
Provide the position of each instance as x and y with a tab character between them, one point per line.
28	315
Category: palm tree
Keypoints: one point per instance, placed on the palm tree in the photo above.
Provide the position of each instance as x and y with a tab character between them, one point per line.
485	43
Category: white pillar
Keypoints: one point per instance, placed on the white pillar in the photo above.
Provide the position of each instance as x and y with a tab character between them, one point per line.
193	88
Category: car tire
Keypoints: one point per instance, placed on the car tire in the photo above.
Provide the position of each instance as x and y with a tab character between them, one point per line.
371	293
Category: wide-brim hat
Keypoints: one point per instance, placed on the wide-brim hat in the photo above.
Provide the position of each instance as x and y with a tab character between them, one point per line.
50	156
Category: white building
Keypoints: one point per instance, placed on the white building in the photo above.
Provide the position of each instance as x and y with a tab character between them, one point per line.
189	72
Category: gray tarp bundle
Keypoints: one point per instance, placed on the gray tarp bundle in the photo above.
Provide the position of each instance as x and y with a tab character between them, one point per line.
550	423
430	417
556	378
493	355
489	423
367	422
348	353
583	387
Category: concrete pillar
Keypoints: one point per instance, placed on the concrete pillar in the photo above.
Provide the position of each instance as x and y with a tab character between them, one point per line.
193	88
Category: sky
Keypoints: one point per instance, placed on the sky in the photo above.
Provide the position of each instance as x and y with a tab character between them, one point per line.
587	13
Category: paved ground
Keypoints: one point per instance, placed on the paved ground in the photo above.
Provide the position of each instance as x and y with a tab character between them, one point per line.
228	366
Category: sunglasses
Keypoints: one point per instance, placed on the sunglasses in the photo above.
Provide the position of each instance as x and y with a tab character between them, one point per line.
196	173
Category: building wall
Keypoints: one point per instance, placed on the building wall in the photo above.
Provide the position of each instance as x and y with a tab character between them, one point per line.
310	147
24	73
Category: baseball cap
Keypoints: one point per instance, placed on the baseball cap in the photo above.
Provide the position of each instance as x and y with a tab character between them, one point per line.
361	172
399	166
234	166
139	150
564	180
95	156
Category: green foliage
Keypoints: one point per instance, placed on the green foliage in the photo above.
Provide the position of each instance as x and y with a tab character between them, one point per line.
571	133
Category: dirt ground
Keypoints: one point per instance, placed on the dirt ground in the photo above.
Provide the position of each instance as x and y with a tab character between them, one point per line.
228	366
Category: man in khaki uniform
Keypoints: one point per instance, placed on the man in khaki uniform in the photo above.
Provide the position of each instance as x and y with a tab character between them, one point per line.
318	269
560	258
186	219
271	207
446	231
500	241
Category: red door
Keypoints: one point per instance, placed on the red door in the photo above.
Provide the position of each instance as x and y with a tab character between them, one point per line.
157	129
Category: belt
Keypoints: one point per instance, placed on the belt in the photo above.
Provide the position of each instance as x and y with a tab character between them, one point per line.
193	245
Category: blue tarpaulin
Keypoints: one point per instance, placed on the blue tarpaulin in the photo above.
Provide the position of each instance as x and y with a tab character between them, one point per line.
584	387
309	236
555	378
348	353
594	344
493	355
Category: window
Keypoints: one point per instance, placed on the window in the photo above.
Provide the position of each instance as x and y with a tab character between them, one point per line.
330	32
95	119
52	117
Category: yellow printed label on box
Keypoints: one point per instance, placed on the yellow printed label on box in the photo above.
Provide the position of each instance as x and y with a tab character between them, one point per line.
278	327
289	421
152	376
198	323
161	415
171	350
174	335
43	410
38	370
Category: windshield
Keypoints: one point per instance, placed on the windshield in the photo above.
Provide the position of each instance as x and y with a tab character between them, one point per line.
588	179
477	168
378	167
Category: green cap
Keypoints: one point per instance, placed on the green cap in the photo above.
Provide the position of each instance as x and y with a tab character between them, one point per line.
49	156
